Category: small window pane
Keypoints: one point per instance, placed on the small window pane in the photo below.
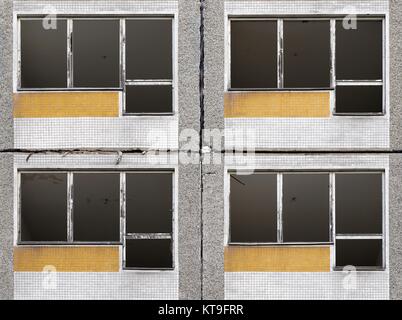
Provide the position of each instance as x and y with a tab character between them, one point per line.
253	208
306	208
43	55
96	53
43	207
96	207
149	202
149	254
359	253
359	51
254	54
148	99
359	203
148	49
307	54
359	99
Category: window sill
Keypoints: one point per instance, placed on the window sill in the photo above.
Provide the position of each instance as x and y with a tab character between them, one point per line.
67	244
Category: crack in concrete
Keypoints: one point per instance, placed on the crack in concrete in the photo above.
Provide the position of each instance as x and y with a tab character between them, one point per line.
201	142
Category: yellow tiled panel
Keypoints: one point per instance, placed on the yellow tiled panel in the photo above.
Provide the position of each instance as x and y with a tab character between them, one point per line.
277	104
66	104
277	259
67	259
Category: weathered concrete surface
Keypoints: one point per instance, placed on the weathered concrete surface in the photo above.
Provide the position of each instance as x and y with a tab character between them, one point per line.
6	160
395	226
189	174
395	43
395	185
213	168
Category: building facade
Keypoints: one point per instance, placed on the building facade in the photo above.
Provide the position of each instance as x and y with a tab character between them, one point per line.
201	149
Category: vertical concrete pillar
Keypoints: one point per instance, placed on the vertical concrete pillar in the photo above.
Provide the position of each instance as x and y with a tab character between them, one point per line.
213	166
6	159
395	226
189	173
395	187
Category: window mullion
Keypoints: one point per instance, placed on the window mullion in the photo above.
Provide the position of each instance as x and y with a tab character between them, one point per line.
332	234
123	215
279	207
70	53
280	54
333	52
70	218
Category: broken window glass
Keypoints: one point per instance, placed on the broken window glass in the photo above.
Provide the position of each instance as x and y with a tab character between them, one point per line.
148	49
43	207
96	53
96	207
359	253
359	206
359	51
253	208
254	54
306	207
43	54
143	213
359	99
307	53
149	254
149	99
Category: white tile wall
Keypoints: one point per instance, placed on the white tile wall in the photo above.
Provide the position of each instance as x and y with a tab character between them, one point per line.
306	286
89	286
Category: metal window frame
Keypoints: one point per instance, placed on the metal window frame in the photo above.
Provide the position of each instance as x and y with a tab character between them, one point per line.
332	215
377	82
122	57
279	206
333	81
122	214
148	82
358	236
147	236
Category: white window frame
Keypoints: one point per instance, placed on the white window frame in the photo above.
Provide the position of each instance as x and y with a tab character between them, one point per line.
122	60
280	59
123	234
333	235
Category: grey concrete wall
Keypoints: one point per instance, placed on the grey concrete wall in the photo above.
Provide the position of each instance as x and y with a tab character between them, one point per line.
189	174
395	226
396	74
6	160
395	187
213	168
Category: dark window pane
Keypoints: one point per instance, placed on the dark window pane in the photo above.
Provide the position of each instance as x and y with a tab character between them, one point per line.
149	203
359	99
307	54
96	53
149	254
359	253
359	203
149	49
306	208
359	51
254	54
43	55
253	209
148	99
43	207
96	207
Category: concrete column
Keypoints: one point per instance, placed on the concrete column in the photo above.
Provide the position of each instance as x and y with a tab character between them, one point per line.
213	166
6	159
395	184
189	174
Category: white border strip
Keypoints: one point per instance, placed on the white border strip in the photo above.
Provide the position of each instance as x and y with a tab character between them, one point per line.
96	7
333	7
